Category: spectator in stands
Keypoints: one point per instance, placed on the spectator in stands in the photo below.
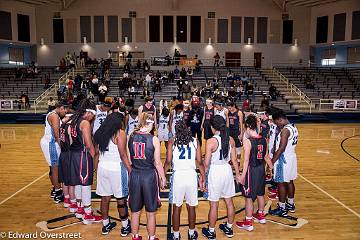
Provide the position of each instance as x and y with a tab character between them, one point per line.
173	103
77	82
148	79
194	90
246	105
25	100
216	59
158	74
129	58
167	59
62	65
186	89
208	89
190	74
309	84
265	103
250	90
103	90
127	67
85	86
47	81
177	56
183	73
146	66
82	58
51	104
131	91
95	84
232	94
273	92
176	71
163	104
69	84
138	64
171	76
157	85
215	82
225	94
146	93
67	58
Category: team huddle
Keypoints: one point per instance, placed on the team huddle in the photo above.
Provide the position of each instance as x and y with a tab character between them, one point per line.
121	148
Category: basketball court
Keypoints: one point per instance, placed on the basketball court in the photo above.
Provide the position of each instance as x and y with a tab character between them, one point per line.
326	191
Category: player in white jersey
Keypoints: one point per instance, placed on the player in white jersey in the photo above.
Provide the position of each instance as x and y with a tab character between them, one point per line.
285	164
183	153
101	113
131	121
220	149
112	171
163	129
221	110
50	146
176	115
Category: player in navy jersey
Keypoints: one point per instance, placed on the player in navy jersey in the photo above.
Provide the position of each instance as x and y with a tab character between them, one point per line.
149	108
236	126
208	115
195	117
253	175
144	151
186	111
82	153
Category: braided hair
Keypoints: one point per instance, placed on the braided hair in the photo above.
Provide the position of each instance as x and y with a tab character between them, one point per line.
183	134
219	124
109	128
86	103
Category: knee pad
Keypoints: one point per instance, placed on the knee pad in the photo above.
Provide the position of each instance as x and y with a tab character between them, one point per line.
125	206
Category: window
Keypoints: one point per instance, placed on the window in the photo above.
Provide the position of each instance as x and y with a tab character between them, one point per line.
211	14
132	14
154	28
328	61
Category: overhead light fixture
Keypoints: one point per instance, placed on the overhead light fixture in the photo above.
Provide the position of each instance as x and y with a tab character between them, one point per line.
84	40
42	41
209	42
295	42
249	41
126	40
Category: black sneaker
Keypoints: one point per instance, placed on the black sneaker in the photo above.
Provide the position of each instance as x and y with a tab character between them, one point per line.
175	238
125	230
290	207
52	193
106	229
225	229
193	236
59	196
281	212
209	235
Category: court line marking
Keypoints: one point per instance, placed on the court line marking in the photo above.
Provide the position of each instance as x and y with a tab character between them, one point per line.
23	188
330	196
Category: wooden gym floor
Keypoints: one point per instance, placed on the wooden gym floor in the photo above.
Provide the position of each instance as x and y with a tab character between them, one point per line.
327	190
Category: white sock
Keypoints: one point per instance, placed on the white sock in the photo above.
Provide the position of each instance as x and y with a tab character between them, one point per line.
86	195
211	229
228	225
67	196
106	221
290	201
151	237
260	211
87	210
176	234
248	218
125	223
282	205
78	192
191	231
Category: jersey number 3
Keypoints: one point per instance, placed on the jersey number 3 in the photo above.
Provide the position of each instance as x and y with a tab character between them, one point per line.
139	150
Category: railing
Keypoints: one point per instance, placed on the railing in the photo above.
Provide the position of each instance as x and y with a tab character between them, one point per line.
294	90
53	88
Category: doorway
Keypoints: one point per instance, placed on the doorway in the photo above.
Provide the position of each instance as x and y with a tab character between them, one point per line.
257	59
232	59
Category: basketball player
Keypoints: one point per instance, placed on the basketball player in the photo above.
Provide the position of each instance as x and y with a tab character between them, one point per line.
50	146
253	175
208	115
195	118
131	121
164	128
183	153
236	126
176	115
219	150
82	153
149	108
186	111
285	164
101	113
144	151
112	171
221	110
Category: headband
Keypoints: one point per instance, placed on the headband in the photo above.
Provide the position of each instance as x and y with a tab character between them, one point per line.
91	110
149	121
106	104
